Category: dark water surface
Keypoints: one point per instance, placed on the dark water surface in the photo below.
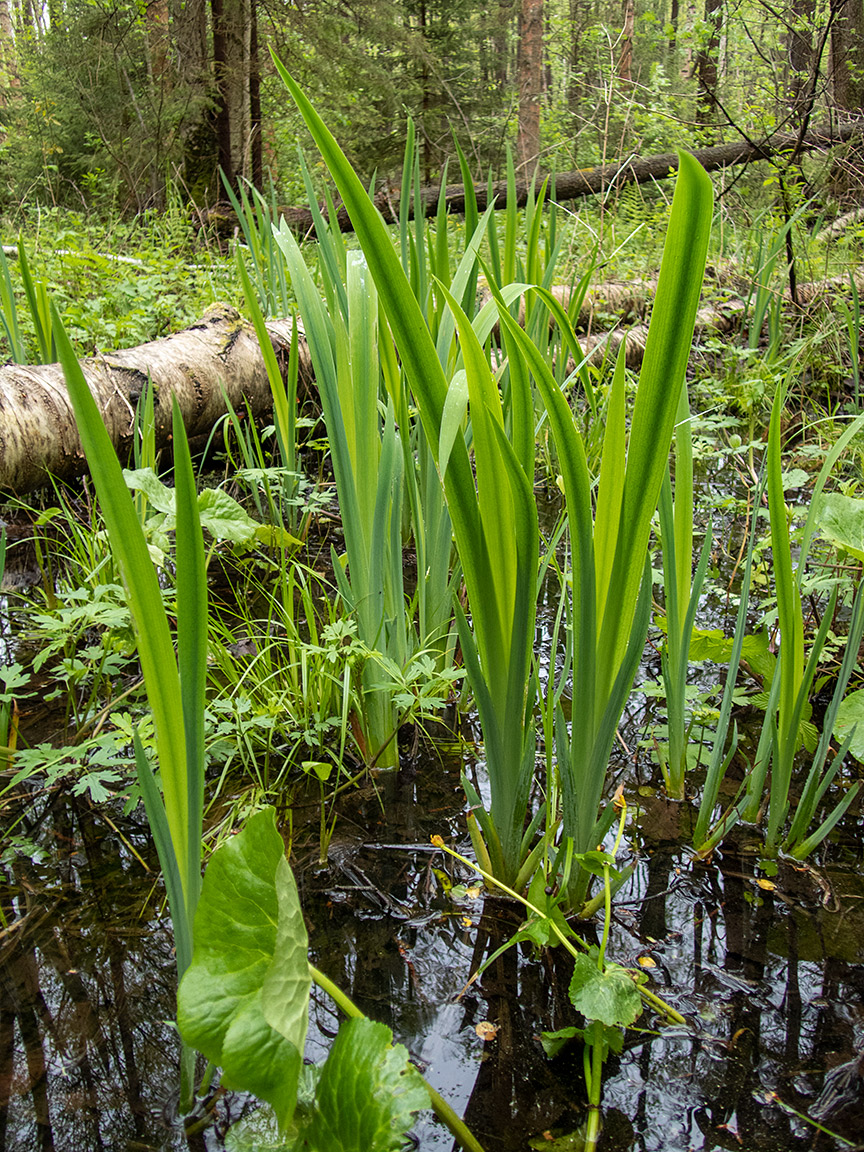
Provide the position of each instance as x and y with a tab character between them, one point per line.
771	982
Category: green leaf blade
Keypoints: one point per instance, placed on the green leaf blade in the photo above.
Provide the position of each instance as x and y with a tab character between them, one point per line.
367	1093
243	1001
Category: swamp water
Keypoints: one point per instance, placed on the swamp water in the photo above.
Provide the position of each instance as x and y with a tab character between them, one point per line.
771	982
769	975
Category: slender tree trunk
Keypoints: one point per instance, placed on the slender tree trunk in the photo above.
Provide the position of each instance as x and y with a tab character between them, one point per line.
530	69
799	48
847	54
193	80
222	115
625	56
846	71
706	64
238	27
673	27
501	41
9	79
255	121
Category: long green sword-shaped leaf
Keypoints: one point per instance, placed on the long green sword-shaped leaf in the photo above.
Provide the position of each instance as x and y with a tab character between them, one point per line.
791	623
192	619
155	647
408	325
667	350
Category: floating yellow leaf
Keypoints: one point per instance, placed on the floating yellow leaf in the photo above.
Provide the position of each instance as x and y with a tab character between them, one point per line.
646	962
768	885
486	1030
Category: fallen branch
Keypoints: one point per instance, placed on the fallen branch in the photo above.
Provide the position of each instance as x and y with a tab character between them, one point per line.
592	181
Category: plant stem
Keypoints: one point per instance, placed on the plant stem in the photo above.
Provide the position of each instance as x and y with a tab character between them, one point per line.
673	1016
458	1129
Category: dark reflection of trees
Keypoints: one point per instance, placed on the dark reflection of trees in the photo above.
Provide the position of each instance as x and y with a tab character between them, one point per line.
517	1092
85	988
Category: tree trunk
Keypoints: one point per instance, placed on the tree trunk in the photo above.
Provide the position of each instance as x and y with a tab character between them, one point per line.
255	122
575	85
706	63
192	77
9	78
38	435
530	69
799	46
238	27
220	113
625	56
847	54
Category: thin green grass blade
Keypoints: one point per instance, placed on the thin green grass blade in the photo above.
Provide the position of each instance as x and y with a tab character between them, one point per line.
284	416
791	664
9	313
192	621
158	821
511	227
610	487
43	338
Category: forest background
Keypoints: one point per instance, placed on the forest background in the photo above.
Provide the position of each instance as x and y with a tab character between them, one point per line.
119	104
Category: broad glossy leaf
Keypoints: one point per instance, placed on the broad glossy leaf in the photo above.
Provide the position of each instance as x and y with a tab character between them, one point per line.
367	1093
849	714
840	519
244	1000
145	480
224	518
609	996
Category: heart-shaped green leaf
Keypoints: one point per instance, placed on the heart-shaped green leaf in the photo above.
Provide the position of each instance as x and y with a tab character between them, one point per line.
367	1093
609	996
244	1000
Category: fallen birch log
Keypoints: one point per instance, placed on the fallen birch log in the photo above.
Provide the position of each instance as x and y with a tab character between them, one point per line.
217	357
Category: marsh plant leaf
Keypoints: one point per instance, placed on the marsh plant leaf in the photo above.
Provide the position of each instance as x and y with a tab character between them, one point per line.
158	494
244	1001
219	513
224	518
609	996
840	519
850	715
367	1093
553	1042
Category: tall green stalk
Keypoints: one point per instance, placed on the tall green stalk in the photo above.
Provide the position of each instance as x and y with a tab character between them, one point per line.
174	685
682	591
610	581
367	461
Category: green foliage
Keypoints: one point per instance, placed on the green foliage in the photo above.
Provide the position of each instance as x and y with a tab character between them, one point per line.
115	285
243	1001
365	1094
606	993
840	519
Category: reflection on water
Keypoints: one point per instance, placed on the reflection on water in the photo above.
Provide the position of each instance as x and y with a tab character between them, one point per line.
770	980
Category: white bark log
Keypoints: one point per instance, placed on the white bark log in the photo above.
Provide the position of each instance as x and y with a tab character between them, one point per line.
217	357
